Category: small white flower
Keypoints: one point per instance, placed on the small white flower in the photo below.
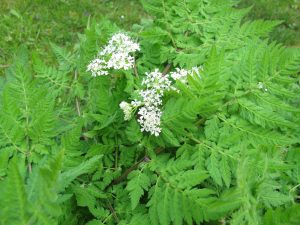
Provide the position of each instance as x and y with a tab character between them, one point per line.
149	119
157	81
260	85
136	103
120	43
151	97
127	110
97	67
180	74
196	70
120	60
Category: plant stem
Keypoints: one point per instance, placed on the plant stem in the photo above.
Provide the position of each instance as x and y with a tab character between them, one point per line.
113	212
166	69
135	70
76	98
119	179
29	167
125	174
116	152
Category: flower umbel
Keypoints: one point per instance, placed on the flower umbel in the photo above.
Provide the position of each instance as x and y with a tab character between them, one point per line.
120	43
115	55
149	115
156	84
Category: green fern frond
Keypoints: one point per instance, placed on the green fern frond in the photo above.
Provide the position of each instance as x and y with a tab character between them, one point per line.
66	59
252	133
174	198
261	116
291	67
259	28
57	80
16	206
87	166
139	182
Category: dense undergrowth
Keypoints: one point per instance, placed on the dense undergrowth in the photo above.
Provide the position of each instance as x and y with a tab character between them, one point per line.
225	148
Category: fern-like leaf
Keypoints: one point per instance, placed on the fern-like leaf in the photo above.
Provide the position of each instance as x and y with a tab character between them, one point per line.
139	182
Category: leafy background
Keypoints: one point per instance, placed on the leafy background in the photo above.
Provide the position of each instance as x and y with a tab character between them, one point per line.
229	155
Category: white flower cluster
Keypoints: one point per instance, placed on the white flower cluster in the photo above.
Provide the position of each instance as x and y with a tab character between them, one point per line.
156	81
155	85
98	67
149	115
115	55
149	119
180	74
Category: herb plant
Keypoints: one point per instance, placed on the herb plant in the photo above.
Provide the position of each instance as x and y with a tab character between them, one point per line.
192	117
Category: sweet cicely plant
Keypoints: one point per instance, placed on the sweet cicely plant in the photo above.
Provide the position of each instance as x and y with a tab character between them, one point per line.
191	117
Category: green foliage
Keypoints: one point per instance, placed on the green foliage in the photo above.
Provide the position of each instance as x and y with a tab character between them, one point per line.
139	182
287	11
34	201
228	152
